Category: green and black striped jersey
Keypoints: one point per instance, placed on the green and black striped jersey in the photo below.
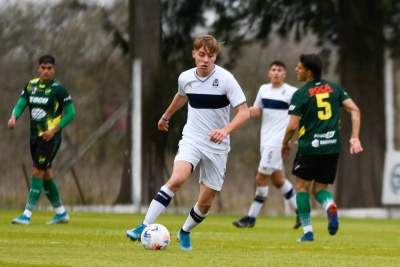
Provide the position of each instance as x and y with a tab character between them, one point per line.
46	102
318	104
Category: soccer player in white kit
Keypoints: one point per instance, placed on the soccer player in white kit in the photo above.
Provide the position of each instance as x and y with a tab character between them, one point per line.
272	101
210	92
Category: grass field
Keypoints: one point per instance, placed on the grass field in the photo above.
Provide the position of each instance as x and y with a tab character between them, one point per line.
95	239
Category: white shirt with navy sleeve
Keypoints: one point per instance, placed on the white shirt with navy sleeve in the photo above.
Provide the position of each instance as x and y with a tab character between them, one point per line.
274	103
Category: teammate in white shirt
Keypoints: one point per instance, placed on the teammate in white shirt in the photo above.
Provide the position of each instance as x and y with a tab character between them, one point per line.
272	102
210	92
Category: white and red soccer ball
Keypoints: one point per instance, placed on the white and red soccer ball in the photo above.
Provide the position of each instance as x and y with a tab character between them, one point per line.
155	237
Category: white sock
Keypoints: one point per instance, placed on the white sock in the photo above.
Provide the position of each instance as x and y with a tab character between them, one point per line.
286	187
307	229
167	191
190	223
60	210
28	213
255	208
155	209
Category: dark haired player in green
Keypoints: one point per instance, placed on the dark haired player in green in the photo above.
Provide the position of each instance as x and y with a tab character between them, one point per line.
46	99
314	109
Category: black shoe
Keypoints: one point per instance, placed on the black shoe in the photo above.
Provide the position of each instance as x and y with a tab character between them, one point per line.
245	222
298	222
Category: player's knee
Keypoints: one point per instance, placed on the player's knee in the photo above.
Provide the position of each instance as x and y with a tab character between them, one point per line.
175	182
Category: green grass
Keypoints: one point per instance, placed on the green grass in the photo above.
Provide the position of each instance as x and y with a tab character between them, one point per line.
95	239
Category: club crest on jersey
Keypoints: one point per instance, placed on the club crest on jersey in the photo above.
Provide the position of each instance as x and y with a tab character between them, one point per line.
47	91
215	83
283	92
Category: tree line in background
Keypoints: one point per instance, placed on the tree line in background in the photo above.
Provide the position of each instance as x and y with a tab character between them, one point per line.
95	45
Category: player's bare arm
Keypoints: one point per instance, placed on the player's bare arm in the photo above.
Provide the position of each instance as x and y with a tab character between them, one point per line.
242	115
290	131
178	102
351	107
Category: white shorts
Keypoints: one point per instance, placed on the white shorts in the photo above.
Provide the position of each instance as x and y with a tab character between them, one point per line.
212	166
271	160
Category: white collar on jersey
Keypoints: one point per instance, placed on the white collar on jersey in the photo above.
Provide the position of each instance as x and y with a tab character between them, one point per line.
203	79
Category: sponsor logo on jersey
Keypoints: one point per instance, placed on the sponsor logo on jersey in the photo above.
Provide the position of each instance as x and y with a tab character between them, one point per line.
321	89
34	89
189	85
315	143
328	142
67	98
38	100
318	143
326	135
215	83
292	107
38	113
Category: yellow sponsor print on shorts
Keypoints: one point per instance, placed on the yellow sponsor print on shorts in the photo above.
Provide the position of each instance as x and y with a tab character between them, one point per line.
42	159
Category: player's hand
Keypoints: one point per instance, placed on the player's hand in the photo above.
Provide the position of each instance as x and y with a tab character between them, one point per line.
355	146
47	135
163	125
11	122
285	151
254	112
217	136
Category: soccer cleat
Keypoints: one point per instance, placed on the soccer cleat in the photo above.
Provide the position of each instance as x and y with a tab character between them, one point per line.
298	222
134	234
246	221
184	240
59	218
307	237
21	220
333	219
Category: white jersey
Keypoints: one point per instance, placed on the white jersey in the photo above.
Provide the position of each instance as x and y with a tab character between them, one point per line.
274	103
209	101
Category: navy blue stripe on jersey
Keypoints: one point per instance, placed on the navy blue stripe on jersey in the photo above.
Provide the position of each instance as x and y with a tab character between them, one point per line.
274	104
208	101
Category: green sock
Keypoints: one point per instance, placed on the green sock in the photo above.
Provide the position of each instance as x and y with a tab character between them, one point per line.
303	207
34	193
51	191
325	198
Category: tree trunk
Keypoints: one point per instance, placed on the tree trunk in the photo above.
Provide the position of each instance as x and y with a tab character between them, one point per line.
145	44
361	53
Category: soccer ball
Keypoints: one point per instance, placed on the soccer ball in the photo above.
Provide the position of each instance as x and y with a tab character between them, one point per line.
155	237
